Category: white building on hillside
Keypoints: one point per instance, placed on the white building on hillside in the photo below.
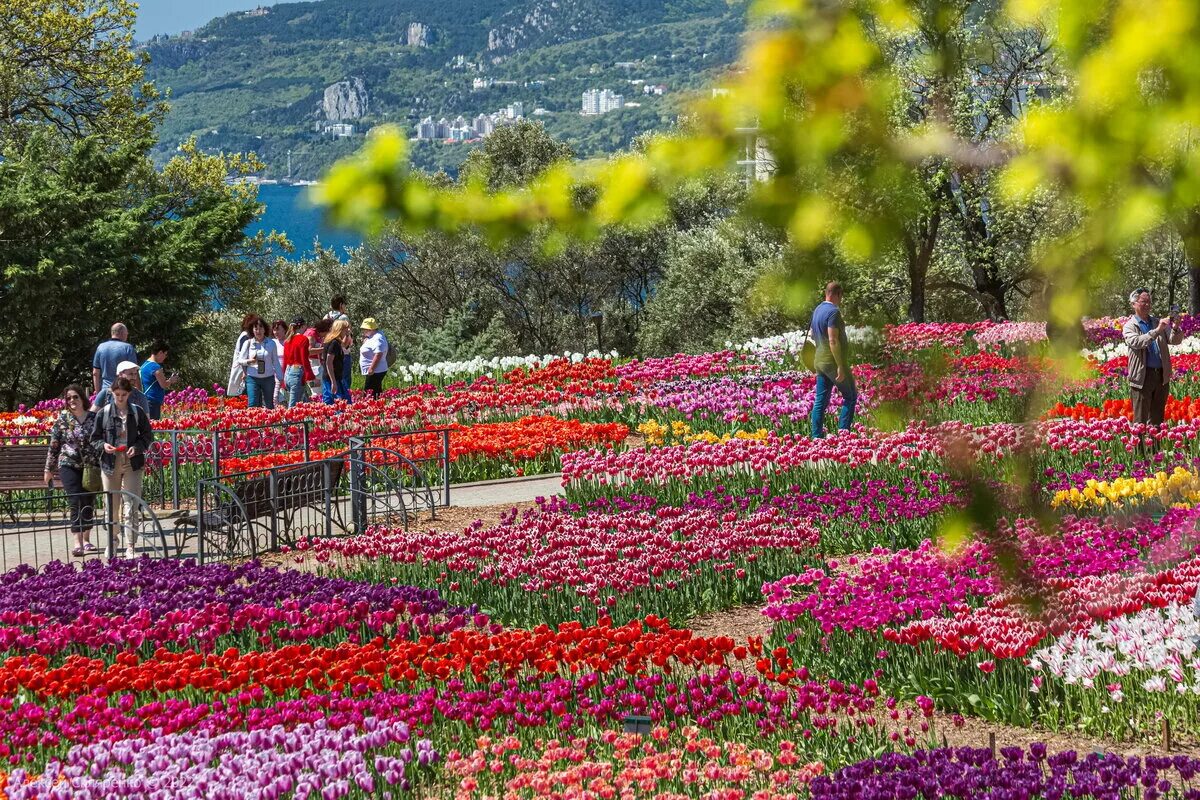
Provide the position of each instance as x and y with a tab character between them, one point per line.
601	101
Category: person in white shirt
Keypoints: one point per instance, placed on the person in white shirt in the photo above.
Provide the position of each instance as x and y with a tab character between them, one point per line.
279	331
263	368
237	374
373	356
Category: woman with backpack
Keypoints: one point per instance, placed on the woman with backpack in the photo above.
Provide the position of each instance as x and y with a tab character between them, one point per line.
120	438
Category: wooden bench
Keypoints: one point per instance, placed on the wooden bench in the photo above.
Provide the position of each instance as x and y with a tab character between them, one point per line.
22	467
296	487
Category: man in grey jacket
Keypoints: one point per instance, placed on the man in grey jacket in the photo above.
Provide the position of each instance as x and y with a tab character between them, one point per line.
1148	339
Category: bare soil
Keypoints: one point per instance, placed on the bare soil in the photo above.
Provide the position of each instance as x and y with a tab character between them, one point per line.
977	733
738	624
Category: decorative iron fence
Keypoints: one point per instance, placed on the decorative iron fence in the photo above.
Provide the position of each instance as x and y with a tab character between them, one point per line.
36	529
424	452
387	486
192	507
179	458
247	514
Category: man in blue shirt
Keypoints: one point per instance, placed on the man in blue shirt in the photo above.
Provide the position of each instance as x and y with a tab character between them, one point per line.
154	381
831	362
108	355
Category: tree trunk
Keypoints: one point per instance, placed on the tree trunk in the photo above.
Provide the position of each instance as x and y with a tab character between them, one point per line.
916	298
1193	285
1189	232
918	251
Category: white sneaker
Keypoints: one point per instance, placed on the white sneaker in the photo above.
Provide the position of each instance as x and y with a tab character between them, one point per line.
130	553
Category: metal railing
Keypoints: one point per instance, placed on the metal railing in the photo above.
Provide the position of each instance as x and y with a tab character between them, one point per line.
382	477
35	528
179	458
426	451
386	486
246	514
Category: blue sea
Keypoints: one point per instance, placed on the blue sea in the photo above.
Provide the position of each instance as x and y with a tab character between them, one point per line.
288	211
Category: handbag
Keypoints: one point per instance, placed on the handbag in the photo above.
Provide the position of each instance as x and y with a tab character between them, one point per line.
91	478
808	353
237	372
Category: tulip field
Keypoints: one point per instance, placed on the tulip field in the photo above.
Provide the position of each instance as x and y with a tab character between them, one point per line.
995	546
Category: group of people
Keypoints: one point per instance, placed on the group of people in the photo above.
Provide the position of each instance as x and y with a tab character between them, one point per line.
1149	339
287	363
101	445
116	358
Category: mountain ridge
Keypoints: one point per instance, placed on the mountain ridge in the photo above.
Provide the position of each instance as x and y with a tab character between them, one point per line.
255	80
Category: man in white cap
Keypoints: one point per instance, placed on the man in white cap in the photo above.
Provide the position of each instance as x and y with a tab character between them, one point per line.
130	370
1148	339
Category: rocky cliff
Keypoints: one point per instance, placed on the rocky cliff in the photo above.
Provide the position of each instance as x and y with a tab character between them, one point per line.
418	34
345	100
536	20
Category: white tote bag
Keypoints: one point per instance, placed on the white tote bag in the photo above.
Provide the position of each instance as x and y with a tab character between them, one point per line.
237	372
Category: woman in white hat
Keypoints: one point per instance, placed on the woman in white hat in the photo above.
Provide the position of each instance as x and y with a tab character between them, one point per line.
373	356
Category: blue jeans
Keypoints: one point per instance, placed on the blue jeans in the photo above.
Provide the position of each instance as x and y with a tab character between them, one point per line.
297	389
329	393
348	364
155	408
824	389
260	392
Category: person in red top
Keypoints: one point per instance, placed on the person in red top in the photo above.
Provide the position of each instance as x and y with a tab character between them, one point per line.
297	370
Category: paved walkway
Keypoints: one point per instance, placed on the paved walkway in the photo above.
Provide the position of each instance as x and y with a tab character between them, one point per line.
41	538
510	490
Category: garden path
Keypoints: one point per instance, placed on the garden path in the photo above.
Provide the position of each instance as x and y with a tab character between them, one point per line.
38	543
505	492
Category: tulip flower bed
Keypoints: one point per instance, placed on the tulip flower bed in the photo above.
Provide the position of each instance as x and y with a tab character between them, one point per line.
308	760
967	772
915	336
949	626
1179	409
779	401
551	565
853	517
630	765
187	677
1178	487
140	607
477	452
505	659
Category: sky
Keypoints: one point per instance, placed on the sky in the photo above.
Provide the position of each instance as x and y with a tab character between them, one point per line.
173	16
